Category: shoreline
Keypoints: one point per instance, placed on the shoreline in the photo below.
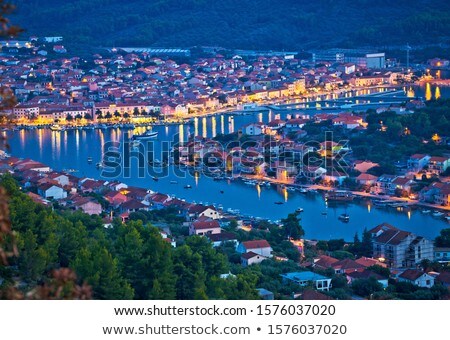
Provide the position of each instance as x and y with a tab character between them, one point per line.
228	110
252	218
407	201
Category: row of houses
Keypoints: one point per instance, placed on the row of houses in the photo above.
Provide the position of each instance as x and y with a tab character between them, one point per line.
126	80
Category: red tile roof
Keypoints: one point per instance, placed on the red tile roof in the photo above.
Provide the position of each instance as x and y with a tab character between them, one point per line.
325	261
392	237
311	294
444	278
256	244
411	274
199	225
249	255
347	264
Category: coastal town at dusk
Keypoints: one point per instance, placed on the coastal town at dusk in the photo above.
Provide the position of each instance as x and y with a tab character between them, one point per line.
194	171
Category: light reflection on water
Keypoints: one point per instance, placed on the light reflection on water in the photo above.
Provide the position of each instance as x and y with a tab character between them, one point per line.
70	149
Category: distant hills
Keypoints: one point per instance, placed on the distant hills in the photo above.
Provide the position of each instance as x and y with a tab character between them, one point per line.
246	24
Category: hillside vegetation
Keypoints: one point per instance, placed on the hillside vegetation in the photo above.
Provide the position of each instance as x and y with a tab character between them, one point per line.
250	24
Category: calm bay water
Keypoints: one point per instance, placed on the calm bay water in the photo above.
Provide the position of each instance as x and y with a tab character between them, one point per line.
70	150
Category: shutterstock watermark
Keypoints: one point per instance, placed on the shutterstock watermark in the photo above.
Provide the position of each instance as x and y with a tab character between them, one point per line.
143	158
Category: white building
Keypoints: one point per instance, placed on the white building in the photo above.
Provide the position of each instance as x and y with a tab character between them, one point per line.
261	247
50	191
417	278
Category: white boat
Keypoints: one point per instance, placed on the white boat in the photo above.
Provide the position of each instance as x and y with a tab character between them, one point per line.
299	210
149	134
302	190
290	188
250	182
56	127
426	211
438	214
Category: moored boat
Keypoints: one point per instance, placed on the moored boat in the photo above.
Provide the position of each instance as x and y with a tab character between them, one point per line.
344	217
339	196
149	134
56	127
438	214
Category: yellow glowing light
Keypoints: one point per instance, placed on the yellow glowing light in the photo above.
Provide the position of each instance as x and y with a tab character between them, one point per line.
204	129
437	93
428	94
195	126
214	126
436	138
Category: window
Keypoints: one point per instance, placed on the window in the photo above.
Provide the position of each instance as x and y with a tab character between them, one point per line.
427	282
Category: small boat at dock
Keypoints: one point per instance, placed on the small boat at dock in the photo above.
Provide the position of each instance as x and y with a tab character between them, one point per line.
299	210
438	214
